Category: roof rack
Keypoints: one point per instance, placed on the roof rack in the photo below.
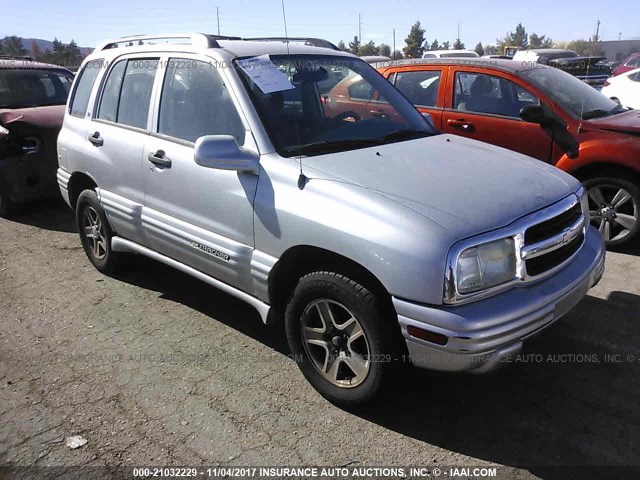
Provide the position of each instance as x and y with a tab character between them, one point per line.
197	39
16	57
314	42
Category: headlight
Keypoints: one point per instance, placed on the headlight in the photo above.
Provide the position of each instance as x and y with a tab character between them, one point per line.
485	266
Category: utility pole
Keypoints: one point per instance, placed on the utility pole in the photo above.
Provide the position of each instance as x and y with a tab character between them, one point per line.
595	39
360	28
458	31
393	52
218	15
619	36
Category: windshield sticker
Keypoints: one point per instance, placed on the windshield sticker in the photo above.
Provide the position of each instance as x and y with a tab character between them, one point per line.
265	74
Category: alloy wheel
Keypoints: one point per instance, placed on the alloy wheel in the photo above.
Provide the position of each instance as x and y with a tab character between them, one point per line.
613	211
336	343
94	233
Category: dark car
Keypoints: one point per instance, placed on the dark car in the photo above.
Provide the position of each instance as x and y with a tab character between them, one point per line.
32	99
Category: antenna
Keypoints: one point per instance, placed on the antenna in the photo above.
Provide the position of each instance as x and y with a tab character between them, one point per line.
593	47
302	179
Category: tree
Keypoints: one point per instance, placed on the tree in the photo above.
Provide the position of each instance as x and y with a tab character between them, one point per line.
36	51
458	45
13	46
342	46
355	45
519	39
385	50
445	46
491	50
586	48
435	45
369	48
396	55
539	41
415	42
479	49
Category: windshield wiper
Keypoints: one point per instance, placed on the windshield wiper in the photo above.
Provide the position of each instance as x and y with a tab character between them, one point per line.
406	135
332	145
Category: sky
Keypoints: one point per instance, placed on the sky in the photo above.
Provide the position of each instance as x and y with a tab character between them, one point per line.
88	23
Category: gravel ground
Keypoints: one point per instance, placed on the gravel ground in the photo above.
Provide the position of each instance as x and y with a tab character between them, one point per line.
155	368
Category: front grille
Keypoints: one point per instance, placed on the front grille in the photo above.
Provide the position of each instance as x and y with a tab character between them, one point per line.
541	264
555	227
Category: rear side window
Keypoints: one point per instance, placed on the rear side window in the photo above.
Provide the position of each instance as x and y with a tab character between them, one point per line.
111	93
135	96
82	91
126	94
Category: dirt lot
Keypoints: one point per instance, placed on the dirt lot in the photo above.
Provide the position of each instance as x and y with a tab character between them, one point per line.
155	368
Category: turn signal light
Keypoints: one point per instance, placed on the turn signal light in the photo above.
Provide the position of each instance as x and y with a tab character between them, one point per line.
432	337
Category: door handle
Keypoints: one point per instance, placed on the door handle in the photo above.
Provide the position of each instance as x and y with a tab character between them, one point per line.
378	113
96	139
160	159
462	124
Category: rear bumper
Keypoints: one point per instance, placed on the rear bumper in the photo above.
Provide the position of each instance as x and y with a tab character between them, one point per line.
63	178
483	335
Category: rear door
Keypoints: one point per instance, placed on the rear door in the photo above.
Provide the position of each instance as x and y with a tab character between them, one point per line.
200	216
116	137
485	105
423	85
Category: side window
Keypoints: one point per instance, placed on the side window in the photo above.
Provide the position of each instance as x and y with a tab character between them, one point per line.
482	93
135	94
108	109
635	77
195	102
82	91
361	90
634	62
421	88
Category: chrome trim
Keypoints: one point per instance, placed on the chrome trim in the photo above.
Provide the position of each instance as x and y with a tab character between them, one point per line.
554	243
516	230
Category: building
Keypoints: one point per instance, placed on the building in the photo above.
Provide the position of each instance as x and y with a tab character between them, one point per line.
618	50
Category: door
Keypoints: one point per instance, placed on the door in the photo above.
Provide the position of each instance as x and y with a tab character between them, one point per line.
199	216
422	88
116	136
486	107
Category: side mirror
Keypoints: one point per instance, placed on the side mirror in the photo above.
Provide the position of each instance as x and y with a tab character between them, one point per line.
541	115
223	153
533	114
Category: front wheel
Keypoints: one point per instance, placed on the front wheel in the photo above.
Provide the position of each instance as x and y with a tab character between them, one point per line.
339	337
614	208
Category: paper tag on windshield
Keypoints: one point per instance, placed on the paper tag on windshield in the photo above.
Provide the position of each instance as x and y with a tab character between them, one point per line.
265	74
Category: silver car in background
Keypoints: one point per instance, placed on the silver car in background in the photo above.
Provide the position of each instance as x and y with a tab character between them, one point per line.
379	240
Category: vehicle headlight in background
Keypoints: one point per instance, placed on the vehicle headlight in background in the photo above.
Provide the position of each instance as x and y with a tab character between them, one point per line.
485	266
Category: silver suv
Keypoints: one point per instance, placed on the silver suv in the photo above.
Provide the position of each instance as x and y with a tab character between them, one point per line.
379	240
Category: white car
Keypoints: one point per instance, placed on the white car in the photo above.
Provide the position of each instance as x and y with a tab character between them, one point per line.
625	88
450	54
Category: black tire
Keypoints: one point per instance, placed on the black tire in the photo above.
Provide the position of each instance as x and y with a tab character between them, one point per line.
339	292
6	205
89	213
627	212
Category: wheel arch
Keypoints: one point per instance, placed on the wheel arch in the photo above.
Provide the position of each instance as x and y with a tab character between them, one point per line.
599	169
79	182
303	259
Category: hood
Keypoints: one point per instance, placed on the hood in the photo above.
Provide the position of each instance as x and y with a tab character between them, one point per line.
468	187
626	122
48	117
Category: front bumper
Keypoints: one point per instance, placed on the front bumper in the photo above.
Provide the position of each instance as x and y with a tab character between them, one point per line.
483	335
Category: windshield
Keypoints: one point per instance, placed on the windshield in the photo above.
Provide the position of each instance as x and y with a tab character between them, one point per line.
20	88
575	96
325	103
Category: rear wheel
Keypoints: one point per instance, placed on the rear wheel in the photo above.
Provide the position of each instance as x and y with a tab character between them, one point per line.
339	337
614	207
96	234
